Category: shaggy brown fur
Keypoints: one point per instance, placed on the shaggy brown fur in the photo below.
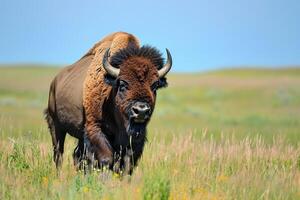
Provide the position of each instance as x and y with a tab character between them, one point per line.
96	91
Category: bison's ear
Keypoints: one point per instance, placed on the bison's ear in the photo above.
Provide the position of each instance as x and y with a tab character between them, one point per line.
110	80
162	82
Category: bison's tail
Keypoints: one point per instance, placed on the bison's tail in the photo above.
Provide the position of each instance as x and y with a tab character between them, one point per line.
48	118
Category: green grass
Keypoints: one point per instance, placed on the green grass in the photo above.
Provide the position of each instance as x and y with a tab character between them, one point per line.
228	134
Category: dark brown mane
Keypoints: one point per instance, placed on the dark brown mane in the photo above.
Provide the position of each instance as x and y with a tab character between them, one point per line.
145	51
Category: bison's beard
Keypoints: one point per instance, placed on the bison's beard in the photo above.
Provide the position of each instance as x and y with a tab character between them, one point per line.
136	129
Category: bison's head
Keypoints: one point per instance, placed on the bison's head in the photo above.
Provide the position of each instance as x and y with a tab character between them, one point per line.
135	74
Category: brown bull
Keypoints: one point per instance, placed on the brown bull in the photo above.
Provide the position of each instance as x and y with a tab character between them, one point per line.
105	100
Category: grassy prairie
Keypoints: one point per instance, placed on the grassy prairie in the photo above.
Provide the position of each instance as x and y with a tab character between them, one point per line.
227	134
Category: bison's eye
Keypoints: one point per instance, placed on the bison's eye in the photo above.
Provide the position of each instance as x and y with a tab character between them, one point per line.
154	86
123	85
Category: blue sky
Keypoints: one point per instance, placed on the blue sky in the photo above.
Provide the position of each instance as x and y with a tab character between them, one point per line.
201	35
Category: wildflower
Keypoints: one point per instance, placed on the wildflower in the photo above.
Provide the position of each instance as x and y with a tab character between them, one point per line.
105	198
116	175
201	191
137	190
85	189
45	181
222	178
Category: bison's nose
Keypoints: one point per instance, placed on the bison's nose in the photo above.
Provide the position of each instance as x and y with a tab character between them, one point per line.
140	111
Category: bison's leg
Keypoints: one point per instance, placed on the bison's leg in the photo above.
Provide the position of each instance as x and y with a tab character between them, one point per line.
132	156
99	148
78	154
58	139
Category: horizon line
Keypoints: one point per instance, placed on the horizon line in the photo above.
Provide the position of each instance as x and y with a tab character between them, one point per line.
202	69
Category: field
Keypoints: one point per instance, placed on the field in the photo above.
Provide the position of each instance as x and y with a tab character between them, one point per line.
227	134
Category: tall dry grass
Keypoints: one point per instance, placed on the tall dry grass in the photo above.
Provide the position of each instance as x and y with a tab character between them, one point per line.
185	167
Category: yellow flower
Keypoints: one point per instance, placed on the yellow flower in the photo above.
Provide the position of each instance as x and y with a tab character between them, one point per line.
201	191
105	198
137	190
222	178
45	181
116	175
85	189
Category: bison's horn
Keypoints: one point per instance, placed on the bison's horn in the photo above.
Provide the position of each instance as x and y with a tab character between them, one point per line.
166	68
114	72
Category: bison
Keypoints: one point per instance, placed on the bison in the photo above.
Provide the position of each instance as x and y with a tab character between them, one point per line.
106	100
